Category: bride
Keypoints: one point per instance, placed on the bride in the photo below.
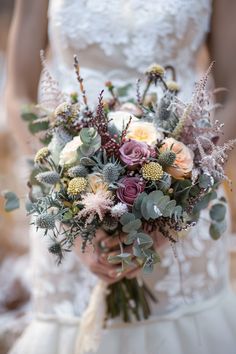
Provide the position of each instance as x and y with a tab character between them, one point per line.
116	40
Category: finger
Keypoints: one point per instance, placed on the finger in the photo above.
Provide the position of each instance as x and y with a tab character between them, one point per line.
104	258
100	235
128	273
133	274
113	241
105	278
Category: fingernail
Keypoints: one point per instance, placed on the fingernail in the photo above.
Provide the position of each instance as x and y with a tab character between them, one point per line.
112	273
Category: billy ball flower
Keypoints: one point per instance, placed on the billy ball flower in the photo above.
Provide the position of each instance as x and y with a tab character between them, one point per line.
173	86
48	177
41	155
155	69
152	171
76	186
45	221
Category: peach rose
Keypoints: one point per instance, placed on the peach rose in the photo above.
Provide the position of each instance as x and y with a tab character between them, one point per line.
144	132
183	164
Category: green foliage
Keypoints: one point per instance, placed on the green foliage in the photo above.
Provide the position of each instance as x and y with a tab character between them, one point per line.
37	127
205	181
218	225
123	90
154	205
218	212
204	201
217	229
11	201
91	142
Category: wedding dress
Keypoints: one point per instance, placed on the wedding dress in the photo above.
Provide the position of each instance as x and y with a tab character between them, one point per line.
196	311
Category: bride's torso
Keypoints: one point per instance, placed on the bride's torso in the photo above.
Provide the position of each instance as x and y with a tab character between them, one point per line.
116	40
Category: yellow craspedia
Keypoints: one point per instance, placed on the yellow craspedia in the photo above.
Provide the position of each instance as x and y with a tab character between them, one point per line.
173	85
77	185
41	155
156	69
152	171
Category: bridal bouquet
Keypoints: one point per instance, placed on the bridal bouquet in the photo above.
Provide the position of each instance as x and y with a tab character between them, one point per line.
137	165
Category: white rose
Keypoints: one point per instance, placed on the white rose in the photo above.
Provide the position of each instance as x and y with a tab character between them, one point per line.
69	155
121	119
144	131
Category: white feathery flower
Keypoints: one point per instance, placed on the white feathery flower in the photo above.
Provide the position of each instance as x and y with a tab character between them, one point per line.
118	210
95	203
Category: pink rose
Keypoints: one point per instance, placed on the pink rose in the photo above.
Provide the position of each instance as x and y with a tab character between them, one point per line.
134	152
130	189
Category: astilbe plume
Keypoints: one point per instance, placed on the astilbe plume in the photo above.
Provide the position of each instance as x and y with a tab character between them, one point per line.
98	203
51	95
195	117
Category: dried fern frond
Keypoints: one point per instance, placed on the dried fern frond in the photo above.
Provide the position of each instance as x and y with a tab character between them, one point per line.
50	94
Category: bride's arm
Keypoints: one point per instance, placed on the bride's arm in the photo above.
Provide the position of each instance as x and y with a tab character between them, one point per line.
222	47
28	34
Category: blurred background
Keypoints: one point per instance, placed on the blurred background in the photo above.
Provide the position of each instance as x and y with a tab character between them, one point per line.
14	243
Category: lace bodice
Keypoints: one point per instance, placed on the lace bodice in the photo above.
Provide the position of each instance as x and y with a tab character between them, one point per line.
116	40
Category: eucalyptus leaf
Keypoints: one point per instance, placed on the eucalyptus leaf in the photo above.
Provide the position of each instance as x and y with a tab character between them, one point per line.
155	196
163	203
11	201
205	181
218	212
137	251
36	127
217	229
169	209
144	241
144	209
126	218
203	203
132	225
131	237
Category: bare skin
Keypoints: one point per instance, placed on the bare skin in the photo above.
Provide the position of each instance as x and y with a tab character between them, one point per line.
29	34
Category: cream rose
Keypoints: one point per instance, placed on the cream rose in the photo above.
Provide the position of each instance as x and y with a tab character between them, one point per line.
121	119
69	155
144	132
183	163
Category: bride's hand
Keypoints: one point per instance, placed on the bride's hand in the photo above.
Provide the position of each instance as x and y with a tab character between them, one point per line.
96	261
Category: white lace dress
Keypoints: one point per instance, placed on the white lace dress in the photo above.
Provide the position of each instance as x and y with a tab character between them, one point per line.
116	40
